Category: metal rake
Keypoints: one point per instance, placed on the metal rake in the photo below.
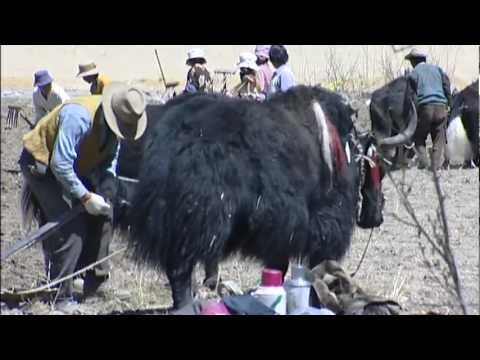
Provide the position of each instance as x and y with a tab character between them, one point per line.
12	117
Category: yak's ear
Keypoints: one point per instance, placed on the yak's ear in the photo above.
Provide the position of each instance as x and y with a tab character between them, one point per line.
323	133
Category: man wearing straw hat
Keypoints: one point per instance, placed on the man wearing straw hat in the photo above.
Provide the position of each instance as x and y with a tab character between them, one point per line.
433	97
70	158
47	95
90	74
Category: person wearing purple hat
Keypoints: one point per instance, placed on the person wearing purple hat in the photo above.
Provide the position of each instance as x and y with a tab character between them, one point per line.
265	70
47	95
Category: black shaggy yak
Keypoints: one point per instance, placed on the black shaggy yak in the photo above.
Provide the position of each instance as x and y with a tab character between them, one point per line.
394	120
273	181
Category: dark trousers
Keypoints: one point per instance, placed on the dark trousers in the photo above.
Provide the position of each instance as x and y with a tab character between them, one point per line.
83	241
432	120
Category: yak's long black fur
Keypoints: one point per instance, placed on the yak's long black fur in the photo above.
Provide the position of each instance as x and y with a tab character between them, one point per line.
224	175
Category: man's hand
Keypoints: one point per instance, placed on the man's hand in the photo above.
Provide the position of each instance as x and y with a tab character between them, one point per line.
95	204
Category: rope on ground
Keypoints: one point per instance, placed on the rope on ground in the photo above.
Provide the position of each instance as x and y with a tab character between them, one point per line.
81	271
363	255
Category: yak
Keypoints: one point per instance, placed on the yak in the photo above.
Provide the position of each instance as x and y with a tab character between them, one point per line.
394	120
286	178
462	129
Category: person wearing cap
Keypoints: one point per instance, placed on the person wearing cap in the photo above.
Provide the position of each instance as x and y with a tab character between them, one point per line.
265	71
431	86
249	84
283	78
199	78
47	95
69	159
91	75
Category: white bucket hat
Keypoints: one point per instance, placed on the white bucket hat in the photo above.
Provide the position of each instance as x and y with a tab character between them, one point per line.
196	53
124	104
249	61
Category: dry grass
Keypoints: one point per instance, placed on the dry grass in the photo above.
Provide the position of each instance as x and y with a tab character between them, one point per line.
393	266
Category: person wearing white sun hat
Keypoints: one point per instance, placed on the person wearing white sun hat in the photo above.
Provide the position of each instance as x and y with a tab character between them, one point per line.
248	86
199	78
70	158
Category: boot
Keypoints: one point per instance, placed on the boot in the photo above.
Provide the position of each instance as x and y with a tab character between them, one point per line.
94	284
423	162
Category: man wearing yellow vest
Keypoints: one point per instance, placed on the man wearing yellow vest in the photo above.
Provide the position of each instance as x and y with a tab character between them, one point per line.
69	158
91	75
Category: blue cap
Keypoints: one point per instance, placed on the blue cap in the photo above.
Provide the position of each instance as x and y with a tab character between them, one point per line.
42	78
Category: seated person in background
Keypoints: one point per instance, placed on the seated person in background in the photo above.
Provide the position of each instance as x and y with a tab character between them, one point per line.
283	78
90	74
198	77
265	70
249	84
47	95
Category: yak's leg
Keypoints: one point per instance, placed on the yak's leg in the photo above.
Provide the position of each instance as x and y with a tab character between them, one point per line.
400	161
211	274
314	262
181	284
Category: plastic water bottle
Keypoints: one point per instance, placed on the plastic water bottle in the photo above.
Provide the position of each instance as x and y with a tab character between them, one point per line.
271	292
298	291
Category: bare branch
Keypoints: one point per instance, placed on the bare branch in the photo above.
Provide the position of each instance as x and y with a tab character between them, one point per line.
439	240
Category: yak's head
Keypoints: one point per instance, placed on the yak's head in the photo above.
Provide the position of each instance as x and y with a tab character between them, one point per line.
334	115
363	158
393	118
369	181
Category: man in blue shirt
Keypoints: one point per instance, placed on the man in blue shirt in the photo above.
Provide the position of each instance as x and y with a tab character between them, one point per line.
283	78
433	98
70	158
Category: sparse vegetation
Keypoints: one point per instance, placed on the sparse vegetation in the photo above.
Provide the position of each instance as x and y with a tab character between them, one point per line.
420	273
437	239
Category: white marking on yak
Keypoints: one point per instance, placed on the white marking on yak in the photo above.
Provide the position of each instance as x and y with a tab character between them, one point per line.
323	133
459	148
347	152
258	201
213	240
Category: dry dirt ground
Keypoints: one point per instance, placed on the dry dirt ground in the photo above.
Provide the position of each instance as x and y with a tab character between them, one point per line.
393	267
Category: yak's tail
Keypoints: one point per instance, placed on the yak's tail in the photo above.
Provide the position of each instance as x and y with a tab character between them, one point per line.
30	208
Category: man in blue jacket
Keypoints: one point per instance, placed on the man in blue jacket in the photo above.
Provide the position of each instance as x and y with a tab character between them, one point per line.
433	99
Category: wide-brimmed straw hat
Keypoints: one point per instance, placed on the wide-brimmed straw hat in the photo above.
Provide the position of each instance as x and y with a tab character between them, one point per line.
124	105
87	70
